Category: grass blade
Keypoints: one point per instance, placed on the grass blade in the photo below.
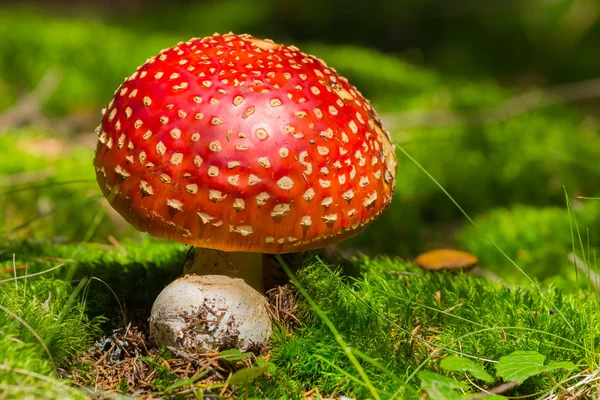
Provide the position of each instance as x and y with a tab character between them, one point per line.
338	337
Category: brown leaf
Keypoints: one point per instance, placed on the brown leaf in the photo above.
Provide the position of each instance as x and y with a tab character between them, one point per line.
446	259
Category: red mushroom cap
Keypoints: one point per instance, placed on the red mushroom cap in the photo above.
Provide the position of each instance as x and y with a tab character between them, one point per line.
241	144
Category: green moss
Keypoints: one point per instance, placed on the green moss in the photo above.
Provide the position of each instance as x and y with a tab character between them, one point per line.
42	328
382	313
375	305
146	265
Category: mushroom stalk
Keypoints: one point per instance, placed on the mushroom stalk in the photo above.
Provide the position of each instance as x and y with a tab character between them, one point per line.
219	303
242	265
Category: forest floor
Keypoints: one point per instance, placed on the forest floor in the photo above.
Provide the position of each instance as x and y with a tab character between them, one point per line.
508	177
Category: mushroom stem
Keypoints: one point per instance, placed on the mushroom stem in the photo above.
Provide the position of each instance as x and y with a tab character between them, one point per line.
241	265
219	303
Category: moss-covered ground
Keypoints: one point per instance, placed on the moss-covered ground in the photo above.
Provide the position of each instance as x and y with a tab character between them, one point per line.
71	270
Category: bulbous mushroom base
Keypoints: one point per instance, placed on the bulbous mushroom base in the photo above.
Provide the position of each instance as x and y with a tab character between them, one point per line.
202	312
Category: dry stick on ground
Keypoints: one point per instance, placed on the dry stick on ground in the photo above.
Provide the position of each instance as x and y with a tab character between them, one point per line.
27	177
594	278
503	388
584	388
519	104
29	107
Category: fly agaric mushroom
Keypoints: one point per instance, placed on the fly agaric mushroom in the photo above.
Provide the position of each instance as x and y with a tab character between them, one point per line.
446	259
239	146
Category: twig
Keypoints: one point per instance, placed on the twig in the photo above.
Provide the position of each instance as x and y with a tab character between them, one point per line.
113	240
517	105
505	387
30	275
106	353
12	269
15	270
581	389
485	273
403	273
594	278
27	177
29	106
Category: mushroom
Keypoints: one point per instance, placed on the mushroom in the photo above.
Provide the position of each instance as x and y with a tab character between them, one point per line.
446	259
239	146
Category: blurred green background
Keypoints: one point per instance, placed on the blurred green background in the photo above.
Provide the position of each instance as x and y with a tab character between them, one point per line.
498	101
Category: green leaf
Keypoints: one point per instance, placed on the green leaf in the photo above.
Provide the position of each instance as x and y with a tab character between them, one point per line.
521	365
462	364
185	382
440	387
246	375
234	355
262	362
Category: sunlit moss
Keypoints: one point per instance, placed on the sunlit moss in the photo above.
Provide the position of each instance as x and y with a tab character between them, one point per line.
42	329
400	319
